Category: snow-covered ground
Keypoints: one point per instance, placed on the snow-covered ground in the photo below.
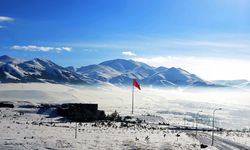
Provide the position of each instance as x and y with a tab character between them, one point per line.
239	137
174	106
35	131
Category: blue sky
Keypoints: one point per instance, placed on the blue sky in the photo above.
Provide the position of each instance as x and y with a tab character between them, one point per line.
191	34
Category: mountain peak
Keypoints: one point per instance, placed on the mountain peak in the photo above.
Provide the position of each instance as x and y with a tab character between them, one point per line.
161	68
116	61
70	68
44	61
8	59
41	60
5	58
122	65
174	69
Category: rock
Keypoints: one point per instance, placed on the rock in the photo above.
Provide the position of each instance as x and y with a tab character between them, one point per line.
203	146
6	105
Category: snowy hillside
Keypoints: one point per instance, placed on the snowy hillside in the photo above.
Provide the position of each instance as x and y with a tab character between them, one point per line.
7	59
175	77
36	70
98	72
120	71
27	129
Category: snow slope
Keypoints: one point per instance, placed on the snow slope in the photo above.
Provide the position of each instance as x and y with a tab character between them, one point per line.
32	131
37	70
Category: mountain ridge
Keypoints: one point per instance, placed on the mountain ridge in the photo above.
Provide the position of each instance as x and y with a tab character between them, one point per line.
117	72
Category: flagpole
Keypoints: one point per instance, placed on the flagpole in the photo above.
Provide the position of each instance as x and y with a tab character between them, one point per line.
132	97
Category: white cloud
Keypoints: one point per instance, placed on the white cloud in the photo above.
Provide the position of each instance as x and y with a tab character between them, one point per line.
5	19
41	48
207	68
67	49
128	53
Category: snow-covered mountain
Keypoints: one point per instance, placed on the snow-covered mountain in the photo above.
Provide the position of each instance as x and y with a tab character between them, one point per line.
233	83
99	72
36	70
175	77
118	71
6	59
71	68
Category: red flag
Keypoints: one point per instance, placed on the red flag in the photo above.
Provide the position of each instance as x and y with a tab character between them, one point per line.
135	84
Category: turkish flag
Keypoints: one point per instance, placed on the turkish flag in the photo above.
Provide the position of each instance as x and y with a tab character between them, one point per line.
135	84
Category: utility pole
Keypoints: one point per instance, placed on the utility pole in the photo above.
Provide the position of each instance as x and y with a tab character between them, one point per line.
213	125
185	117
76	131
196	127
